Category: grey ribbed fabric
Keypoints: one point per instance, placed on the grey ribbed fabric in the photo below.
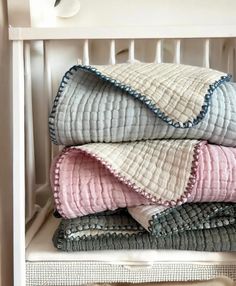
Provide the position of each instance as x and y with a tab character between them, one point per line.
119	231
89	109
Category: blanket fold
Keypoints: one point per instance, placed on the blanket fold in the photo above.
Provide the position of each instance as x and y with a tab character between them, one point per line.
161	221
119	231
127	102
99	177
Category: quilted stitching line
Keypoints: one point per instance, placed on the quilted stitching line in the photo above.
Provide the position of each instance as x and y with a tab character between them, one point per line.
141	97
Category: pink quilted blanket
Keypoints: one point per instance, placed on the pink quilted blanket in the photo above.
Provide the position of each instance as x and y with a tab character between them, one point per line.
97	177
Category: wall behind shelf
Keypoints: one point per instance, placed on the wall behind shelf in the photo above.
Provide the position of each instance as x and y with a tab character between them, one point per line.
6	156
125	12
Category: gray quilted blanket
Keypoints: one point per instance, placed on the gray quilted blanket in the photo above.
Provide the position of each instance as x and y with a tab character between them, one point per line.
143	101
187	227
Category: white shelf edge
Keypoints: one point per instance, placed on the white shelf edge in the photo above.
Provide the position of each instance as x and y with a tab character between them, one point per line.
123	32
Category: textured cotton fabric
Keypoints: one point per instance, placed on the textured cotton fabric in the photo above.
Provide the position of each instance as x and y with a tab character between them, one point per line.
119	231
161	221
143	101
216	175
98	177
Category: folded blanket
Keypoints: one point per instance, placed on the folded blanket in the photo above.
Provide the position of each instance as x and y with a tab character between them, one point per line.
97	177
119	231
143	101
161	221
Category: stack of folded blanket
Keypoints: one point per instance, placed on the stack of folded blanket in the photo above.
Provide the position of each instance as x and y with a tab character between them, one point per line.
150	158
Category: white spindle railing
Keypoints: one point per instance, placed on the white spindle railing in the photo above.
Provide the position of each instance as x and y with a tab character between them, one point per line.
18	92
29	136
86	52
206	58
49	148
131	58
158	51
177	51
112	54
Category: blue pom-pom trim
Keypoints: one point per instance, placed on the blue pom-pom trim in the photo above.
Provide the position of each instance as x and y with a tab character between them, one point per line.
148	102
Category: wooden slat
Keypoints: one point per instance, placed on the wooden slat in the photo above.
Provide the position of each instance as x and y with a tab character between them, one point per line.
131	51
29	136
112	58
18	163
86	52
177	54
158	52
206	59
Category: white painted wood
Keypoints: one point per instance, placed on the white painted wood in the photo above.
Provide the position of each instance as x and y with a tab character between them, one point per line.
85	33
137	12
29	132
50	149
112	58
229	52
18	164
49	96
206	59
158	52
177	53
230	61
144	32
131	58
37	223
86	52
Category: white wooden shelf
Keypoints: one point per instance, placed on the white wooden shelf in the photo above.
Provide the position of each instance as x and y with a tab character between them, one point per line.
54	59
123	32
